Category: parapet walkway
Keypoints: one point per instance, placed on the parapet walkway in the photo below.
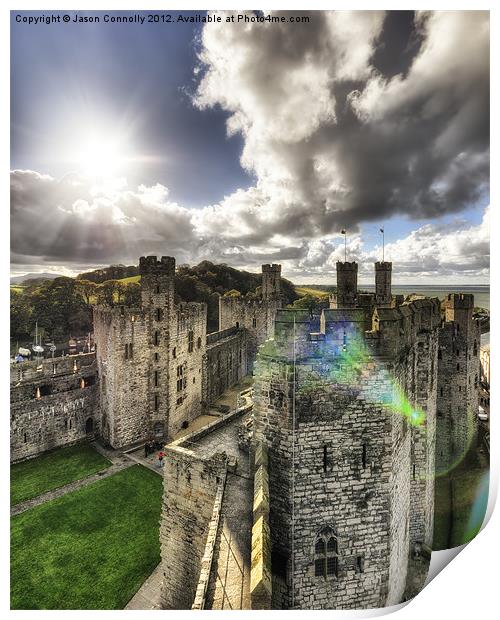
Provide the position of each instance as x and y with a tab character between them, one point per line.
229	583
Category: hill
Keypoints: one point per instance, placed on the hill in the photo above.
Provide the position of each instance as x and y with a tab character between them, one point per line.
38	277
63	306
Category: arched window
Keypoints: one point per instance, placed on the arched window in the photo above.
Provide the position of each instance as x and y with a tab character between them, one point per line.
326	556
89	425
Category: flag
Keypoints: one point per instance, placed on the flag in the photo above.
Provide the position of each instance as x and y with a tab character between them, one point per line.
343	231
382	230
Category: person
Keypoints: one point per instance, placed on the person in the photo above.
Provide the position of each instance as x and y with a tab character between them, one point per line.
160	458
146	449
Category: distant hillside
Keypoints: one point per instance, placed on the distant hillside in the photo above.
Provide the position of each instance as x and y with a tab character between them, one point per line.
113	272
63	306
38	277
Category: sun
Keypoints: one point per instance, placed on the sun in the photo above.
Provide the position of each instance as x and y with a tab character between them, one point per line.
101	156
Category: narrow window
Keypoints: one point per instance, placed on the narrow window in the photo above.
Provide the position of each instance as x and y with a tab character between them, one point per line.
70	423
157	357
459	388
159	314
414	471
360	564
25	438
475	348
199	343
131	351
157	288
458	366
156	402
440	354
237	324
156	378
190	342
254	322
325	458
174	352
363	456
440	391
126	351
157	338
320	558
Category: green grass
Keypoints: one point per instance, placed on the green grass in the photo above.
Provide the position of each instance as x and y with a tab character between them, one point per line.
306	290
130	279
90	549
53	470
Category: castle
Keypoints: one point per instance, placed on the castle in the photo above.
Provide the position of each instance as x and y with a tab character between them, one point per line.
154	370
318	492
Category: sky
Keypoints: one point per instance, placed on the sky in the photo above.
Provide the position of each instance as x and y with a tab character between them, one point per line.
248	143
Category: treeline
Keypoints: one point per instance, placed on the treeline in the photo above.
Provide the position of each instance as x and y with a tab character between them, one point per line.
63	306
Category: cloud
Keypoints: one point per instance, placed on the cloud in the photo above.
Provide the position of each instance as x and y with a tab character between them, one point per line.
334	134
334	142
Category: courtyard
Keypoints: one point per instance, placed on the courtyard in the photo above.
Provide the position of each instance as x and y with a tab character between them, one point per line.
89	544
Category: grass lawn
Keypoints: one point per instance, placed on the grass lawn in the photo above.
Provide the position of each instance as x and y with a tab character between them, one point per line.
90	549
53	470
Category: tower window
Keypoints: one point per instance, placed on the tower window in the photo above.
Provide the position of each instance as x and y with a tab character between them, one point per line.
159	314
254	322
174	352
157	288
458	366
25	438
440	391
360	564
325	458
156	402
237	324
326	556
190	341
363	456
440	354
414	471
157	338
475	348
156	378
199	343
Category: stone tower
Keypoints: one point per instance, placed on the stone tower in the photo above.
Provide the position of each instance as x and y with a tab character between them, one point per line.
347	284
157	294
271	281
458	372
150	359
383	273
337	411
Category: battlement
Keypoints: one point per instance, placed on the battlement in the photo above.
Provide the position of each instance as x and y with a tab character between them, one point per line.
150	265
35	370
347	266
271	268
383	266
459	300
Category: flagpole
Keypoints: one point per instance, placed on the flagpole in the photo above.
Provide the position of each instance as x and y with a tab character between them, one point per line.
345	247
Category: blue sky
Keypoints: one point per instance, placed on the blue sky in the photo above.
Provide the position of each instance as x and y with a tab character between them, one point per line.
249	144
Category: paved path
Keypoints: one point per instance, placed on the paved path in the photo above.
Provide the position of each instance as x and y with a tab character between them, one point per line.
229	582
148	595
118	460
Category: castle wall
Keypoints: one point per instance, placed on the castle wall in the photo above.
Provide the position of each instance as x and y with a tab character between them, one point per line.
190	488
185	363
458	381
53	404
256	316
226	361
122	340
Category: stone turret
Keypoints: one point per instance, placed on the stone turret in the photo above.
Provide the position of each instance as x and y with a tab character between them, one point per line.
347	284
271	281
383	274
157	281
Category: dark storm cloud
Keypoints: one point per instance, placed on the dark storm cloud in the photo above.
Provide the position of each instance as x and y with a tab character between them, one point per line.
338	134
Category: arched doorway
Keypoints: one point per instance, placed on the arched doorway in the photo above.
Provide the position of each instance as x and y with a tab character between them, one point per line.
89	426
